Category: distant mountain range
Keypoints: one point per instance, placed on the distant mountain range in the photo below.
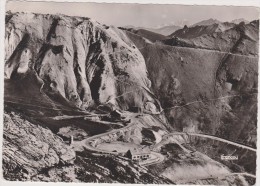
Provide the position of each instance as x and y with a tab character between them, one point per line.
215	21
206	22
165	30
169	29
237	21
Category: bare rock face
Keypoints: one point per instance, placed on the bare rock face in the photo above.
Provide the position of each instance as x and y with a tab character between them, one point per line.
78	59
32	147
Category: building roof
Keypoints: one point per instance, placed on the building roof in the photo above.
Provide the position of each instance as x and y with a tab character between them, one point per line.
116	112
139	151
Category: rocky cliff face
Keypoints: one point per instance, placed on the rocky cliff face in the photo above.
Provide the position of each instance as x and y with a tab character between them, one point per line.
78	59
29	149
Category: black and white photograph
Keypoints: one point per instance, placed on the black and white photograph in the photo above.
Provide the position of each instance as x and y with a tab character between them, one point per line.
130	93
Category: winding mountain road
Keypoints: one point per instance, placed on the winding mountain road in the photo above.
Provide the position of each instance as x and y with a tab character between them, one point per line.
87	144
220	176
159	157
210	137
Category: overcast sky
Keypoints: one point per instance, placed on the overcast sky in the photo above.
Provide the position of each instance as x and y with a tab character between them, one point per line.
136	14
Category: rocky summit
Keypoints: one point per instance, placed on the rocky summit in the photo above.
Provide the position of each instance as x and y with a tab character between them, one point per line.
87	102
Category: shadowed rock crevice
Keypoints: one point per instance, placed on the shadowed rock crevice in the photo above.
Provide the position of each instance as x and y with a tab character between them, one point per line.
95	84
44	48
52	30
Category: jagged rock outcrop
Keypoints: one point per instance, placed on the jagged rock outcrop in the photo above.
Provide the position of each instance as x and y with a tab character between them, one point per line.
77	58
31	148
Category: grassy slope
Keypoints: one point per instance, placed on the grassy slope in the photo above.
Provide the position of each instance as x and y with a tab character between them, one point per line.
199	71
193	68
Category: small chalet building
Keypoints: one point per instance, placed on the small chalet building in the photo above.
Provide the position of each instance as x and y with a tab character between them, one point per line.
138	154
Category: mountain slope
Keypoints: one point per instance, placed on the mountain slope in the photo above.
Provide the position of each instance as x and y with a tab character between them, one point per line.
237	21
226	37
151	36
207	22
200	89
166	30
77	59
199	30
